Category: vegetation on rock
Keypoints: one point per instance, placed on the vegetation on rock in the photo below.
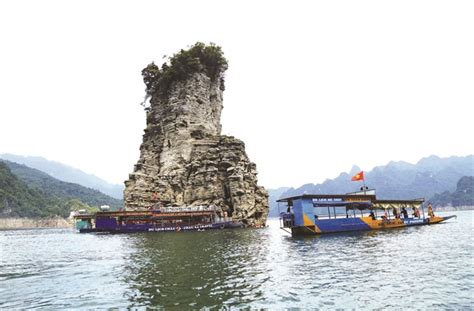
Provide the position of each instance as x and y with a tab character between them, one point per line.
208	59
184	159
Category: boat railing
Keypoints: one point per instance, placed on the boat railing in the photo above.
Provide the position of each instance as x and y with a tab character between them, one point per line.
198	208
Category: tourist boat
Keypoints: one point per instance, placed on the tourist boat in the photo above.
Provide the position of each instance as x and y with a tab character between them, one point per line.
312	214
155	220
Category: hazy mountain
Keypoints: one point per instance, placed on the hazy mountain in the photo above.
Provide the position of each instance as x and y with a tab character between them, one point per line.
68	174
53	188
397	180
462	196
273	195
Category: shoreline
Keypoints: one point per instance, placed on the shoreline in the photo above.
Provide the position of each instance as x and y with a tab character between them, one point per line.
34	223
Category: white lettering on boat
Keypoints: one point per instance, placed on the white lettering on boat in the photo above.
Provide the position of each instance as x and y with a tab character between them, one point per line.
159	229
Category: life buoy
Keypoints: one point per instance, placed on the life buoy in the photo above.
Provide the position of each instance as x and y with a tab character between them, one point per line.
222	226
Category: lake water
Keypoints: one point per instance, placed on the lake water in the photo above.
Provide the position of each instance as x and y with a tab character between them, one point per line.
418	267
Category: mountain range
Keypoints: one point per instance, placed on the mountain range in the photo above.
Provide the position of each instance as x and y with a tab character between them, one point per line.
444	181
396	180
67	173
28	192
463	195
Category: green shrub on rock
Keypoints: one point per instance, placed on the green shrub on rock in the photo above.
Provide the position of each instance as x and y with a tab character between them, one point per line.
208	59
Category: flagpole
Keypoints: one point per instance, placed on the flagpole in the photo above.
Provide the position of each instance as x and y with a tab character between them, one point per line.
363	180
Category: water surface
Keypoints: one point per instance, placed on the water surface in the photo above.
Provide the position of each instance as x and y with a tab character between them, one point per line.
417	267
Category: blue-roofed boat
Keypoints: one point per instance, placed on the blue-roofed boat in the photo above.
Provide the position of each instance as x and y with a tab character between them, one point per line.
313	214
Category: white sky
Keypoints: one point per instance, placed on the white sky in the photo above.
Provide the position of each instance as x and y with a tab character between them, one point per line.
313	87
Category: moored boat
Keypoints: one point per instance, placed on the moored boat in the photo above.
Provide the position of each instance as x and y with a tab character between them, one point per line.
312	214
155	220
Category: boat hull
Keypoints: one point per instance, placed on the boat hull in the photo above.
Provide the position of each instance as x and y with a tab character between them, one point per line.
149	227
361	224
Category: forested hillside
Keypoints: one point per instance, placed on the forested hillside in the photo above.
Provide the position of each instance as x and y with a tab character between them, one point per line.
26	192
67	173
18	200
52	187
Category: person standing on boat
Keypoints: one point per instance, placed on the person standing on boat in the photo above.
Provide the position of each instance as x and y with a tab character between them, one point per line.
372	215
416	212
430	210
404	212
395	213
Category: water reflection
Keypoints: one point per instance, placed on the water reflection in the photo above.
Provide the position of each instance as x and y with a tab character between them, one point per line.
269	269
212	268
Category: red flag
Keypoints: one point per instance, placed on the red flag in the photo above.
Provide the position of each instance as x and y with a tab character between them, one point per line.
358	176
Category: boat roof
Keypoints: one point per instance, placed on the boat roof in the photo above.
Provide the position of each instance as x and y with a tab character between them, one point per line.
354	201
334	197
83	216
388	204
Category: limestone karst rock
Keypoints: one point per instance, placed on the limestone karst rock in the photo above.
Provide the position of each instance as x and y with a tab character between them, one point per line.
184	160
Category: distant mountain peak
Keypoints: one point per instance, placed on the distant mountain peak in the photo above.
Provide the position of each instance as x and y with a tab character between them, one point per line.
401	165
432	157
432	160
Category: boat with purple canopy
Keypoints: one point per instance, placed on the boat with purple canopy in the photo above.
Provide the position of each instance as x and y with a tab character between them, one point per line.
164	219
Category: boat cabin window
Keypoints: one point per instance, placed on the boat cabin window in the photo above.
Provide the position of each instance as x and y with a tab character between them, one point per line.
321	212
284	207
327	212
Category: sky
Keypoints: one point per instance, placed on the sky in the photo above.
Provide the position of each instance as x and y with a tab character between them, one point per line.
313	87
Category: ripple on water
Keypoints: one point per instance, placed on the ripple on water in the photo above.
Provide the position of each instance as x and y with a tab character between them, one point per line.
419	267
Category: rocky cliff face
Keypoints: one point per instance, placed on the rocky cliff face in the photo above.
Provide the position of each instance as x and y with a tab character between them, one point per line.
185	161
